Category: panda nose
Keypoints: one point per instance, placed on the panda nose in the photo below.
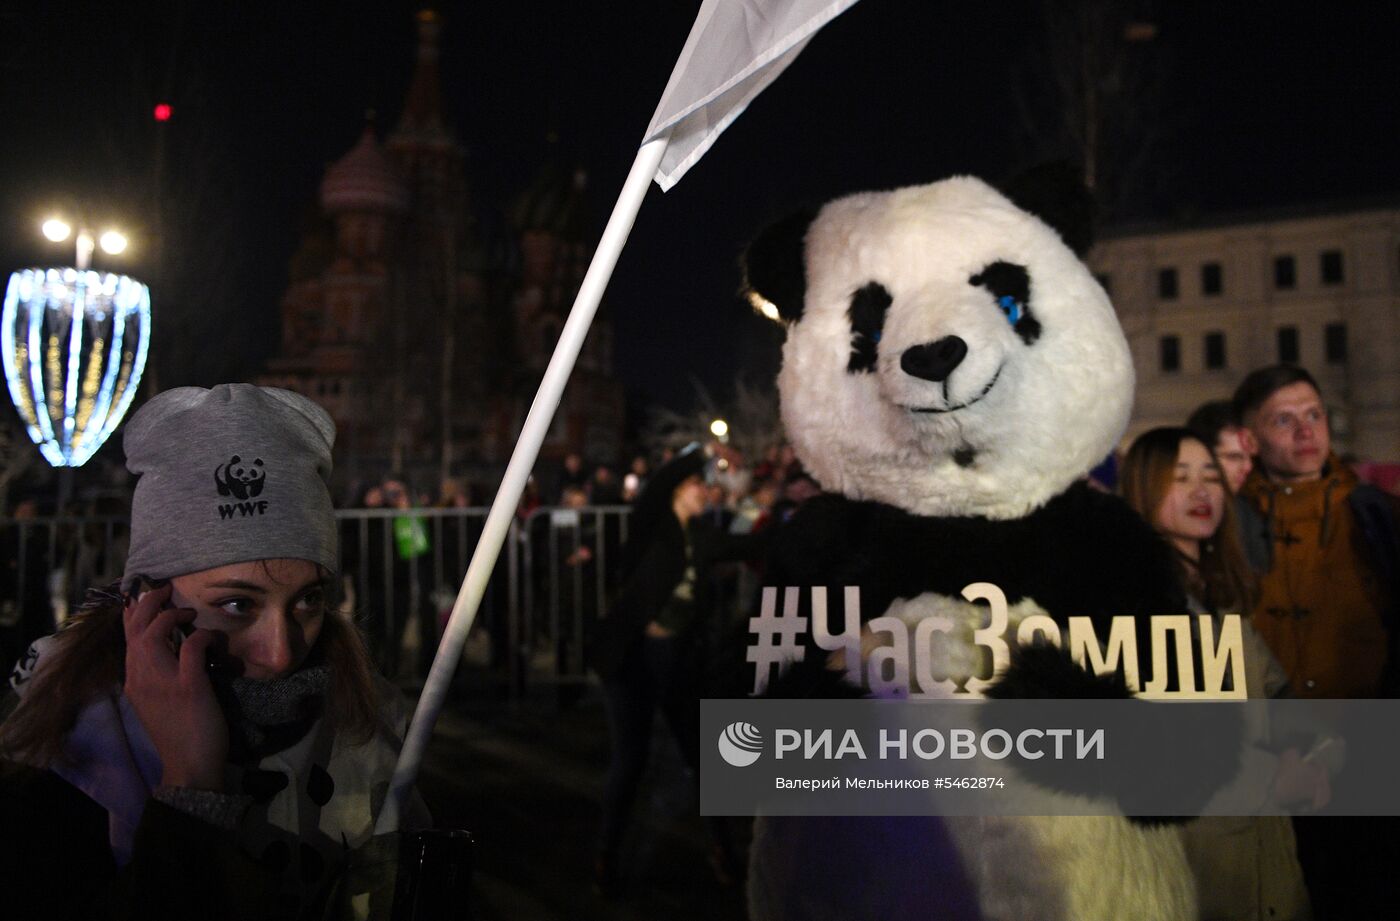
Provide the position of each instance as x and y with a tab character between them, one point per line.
934	361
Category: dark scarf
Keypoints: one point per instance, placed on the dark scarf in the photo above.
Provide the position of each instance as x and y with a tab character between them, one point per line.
268	716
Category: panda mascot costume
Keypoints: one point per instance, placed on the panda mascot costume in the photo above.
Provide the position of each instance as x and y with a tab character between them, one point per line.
951	372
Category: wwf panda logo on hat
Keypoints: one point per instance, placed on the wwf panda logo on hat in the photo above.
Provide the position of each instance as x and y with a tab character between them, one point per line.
240	480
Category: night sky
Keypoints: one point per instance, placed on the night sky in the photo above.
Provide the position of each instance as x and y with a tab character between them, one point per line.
1249	106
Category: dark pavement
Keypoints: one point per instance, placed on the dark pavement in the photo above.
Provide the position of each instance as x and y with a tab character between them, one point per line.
526	779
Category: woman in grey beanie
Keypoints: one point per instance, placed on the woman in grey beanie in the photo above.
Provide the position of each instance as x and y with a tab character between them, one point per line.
207	739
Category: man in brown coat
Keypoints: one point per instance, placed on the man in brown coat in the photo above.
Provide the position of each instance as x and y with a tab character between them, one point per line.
1327	595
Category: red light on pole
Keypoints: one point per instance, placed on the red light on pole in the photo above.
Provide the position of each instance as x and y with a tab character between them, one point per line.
163	112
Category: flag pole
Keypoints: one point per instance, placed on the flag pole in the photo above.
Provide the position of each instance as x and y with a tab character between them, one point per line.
522	460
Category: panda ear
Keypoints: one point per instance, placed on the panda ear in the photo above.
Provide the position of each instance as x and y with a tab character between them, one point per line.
1055	193
774	266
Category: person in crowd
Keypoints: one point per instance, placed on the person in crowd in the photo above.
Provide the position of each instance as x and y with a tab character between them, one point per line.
1216	424
754	506
450	533
575	536
530	500
413	579
368	559
606	490
206	738
636	477
1331	545
789	467
717	508
1171	478
1327	606
576	500
768	466
571	474
1246	866
454	494
385	555
26	602
644	650
101	545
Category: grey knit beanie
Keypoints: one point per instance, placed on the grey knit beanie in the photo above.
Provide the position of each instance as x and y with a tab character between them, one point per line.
228	475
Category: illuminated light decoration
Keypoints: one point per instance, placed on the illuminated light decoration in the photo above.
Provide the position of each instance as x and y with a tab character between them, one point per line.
74	346
112	242
163	112
56	229
764	306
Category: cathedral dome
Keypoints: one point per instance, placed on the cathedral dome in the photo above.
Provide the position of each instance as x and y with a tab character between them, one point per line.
364	180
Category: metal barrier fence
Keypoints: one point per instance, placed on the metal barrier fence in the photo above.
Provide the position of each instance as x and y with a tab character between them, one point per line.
401	569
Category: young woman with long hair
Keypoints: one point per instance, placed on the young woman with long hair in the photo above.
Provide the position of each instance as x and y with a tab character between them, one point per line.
206	739
1246	866
1172	479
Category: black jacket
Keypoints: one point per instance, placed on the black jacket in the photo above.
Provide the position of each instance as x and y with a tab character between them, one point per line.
55	853
654	562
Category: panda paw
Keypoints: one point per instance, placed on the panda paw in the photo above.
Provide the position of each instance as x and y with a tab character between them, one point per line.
1044	671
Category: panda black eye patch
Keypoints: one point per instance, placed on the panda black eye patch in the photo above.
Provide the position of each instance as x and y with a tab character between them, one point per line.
867	313
1010	287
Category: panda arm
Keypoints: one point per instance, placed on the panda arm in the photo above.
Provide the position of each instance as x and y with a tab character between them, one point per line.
818	546
713	545
1047	672
822	544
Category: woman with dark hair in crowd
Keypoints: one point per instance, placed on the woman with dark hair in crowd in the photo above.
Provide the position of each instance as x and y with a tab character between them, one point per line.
1172	479
205	739
1246	867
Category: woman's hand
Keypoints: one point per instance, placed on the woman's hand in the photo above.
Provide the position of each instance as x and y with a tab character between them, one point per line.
172	694
1299	785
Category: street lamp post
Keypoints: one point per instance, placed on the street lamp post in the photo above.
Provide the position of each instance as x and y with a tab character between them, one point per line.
113	242
74	343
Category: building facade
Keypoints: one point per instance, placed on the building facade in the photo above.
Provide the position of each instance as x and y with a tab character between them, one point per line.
1203	306
423	340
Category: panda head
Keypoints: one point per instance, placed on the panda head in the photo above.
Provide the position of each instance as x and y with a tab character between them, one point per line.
243	472
947	351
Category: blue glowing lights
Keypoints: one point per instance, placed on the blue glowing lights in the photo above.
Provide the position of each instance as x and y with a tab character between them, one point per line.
74	345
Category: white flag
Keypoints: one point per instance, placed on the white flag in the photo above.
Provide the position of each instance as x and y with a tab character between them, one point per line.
735	49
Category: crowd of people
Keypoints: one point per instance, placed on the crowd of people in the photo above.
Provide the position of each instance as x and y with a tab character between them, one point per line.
1269	522
1265	520
213	661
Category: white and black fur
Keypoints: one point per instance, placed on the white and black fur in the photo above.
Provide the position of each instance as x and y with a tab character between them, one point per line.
951	371
954	410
